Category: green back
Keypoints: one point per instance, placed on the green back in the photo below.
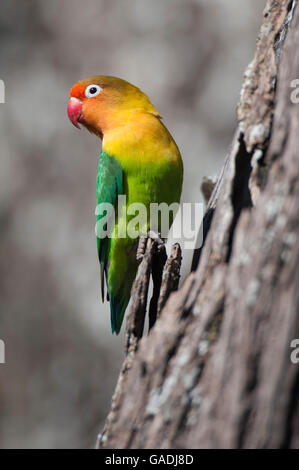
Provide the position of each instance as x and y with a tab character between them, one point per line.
109	186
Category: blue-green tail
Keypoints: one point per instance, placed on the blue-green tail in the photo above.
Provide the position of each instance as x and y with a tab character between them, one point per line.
117	312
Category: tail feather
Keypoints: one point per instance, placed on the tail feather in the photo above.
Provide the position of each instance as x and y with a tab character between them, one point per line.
117	312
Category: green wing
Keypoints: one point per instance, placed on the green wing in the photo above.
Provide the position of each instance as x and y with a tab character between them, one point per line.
109	186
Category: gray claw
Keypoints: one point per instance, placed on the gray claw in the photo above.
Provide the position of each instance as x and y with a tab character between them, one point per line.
141	247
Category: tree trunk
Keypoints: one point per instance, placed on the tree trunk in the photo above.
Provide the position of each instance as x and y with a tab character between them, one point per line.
216	370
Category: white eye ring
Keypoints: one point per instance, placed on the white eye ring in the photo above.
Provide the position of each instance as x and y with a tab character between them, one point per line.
92	91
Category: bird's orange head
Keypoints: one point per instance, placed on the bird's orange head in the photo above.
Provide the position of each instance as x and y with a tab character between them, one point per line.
101	103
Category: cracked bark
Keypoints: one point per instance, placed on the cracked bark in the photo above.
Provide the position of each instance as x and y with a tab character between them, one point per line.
215	371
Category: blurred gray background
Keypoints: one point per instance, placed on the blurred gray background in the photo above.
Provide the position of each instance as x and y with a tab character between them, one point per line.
188	56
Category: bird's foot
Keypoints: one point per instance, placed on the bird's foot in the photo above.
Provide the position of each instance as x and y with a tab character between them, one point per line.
156	237
141	247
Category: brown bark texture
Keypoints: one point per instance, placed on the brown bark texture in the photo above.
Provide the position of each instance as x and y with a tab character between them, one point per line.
215	371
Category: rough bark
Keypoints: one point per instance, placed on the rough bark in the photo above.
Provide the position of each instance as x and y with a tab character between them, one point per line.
215	371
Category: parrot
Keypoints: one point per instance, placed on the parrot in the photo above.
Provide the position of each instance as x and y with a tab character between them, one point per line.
139	159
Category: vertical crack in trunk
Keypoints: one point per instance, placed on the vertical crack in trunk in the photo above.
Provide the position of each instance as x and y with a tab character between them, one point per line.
241	197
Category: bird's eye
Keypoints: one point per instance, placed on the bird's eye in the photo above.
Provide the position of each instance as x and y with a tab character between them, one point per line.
92	91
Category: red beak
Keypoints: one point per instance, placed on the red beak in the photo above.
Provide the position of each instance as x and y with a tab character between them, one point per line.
74	111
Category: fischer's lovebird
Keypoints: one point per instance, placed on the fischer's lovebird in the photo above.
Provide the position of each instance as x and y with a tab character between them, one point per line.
139	160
